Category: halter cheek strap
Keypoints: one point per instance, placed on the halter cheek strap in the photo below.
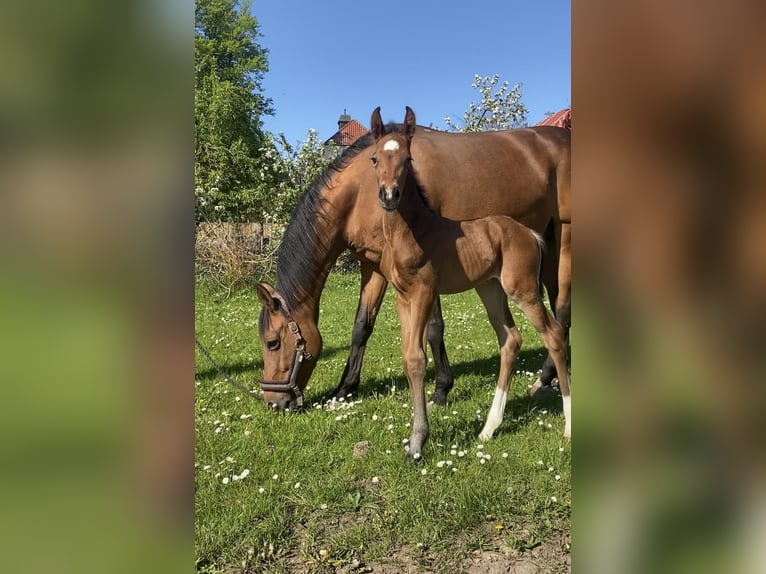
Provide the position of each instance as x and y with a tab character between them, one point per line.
300	355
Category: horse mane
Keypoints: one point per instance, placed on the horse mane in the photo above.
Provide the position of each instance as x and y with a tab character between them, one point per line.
297	265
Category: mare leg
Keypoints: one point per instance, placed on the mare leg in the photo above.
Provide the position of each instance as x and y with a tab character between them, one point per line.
554	338
370	297
413	315
444	380
509	340
560	298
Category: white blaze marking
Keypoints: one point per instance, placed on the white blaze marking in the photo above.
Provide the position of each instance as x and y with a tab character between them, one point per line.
391	145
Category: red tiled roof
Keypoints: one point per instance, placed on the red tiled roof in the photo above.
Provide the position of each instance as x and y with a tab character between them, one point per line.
561	119
348	133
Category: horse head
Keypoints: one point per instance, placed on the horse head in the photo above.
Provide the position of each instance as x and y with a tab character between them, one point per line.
391	158
290	348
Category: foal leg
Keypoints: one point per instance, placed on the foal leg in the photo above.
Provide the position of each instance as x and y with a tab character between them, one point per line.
561	302
509	340
554	338
414	319
370	297
444	380
550	277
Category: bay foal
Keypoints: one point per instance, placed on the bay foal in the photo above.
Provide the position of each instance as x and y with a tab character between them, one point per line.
426	255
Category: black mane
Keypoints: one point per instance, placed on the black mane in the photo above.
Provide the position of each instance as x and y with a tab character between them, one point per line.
297	263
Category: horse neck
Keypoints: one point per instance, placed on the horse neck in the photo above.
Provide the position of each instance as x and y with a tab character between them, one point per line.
411	218
303	268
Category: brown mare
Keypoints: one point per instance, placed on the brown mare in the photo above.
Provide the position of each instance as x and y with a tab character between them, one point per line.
523	173
426	255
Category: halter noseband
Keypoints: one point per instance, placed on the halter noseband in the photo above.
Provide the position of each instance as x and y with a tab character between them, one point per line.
300	355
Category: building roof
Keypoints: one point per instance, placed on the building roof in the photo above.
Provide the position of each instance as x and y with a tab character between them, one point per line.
561	119
347	133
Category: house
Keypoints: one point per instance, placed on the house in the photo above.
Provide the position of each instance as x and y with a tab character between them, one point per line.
561	119
349	130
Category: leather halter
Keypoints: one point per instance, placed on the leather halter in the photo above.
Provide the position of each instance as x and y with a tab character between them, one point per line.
300	355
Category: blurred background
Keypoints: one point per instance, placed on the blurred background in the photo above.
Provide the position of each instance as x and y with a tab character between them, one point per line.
96	288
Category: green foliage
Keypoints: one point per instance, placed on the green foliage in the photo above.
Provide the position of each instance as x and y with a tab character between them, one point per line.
231	175
298	166
499	108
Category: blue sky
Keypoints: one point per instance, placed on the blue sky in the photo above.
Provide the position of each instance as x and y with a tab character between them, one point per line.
327	56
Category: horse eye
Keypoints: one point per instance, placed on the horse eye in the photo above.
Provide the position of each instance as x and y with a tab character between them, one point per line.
272	345
374	160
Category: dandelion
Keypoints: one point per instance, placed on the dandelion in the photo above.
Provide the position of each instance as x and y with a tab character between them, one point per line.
247	433
482	461
554	499
275	477
424	472
505	455
561	449
557	477
226	480
297	485
479	447
440	464
206	467
461	453
374	417
453	452
540	462
229	459
375	480
261	490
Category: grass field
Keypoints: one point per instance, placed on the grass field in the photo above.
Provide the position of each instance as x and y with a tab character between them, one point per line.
285	493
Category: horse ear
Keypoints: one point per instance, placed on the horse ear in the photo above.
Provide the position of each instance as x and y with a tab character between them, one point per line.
266	295
376	124
409	123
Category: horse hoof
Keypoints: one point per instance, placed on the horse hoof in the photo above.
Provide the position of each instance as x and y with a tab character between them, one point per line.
413	458
535	388
438	399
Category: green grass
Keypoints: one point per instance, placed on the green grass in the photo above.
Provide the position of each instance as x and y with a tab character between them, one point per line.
307	502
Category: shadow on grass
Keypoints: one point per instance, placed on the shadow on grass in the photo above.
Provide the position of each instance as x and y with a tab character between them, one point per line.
242	367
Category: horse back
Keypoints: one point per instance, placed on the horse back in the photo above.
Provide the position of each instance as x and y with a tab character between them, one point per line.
514	172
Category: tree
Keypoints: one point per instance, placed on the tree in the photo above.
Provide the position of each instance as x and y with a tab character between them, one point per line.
498	110
297	166
231	176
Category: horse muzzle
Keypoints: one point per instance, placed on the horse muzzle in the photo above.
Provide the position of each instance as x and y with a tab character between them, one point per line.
288	393
389	197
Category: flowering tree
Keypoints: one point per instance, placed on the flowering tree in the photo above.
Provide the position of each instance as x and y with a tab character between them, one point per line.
499	108
232	177
295	167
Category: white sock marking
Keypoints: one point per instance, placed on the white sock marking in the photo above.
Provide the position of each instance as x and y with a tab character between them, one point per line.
495	416
567	416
